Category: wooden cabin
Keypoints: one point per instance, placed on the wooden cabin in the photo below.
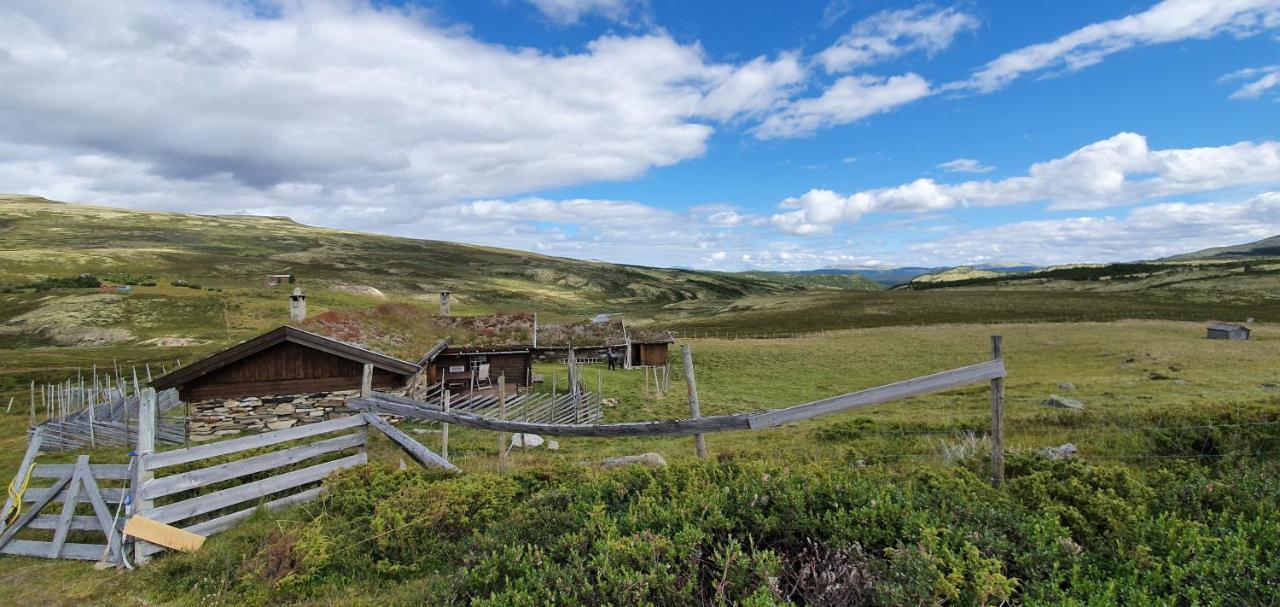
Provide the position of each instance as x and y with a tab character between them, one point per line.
1228	331
460	367
286	360
650	352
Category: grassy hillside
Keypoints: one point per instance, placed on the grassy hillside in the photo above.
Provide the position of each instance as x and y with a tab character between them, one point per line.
1267	247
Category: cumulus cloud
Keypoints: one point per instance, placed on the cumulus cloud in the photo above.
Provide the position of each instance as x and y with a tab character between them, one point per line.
1260	80
1118	170
849	99
1149	232
1168	21
891	33
965	165
314	108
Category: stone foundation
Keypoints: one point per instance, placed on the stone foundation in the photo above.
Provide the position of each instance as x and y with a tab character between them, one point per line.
211	419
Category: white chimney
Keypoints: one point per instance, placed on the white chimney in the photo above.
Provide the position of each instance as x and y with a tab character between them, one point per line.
297	305
444	303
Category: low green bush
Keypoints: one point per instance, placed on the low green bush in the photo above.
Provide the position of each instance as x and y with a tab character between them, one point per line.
729	532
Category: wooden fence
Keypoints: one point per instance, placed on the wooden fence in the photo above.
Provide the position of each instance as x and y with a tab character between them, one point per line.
283	467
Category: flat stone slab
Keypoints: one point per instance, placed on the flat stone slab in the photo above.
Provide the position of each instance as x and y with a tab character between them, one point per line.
1062	402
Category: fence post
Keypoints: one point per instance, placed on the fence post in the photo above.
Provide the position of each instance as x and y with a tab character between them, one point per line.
444	427
997	417
502	414
146	445
366	381
695	410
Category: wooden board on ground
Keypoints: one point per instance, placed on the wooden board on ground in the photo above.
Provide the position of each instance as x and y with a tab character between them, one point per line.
161	534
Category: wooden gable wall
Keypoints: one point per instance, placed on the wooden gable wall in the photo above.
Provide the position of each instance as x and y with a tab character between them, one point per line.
285	368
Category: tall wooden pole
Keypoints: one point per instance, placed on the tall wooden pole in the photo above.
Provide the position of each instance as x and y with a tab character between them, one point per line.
695	409
146	445
502	414
444	427
366	381
997	417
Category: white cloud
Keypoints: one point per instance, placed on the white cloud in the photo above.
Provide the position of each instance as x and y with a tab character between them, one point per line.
1118	170
965	165
849	99
757	86
325	108
1262	79
568	12
1168	21
1147	232
891	33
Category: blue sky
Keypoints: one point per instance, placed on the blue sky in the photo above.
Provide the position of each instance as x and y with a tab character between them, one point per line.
722	135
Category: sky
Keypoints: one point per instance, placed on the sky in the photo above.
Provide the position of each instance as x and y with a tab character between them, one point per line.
723	135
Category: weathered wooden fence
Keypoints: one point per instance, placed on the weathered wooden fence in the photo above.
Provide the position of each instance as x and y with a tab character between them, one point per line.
99	485
112	423
992	372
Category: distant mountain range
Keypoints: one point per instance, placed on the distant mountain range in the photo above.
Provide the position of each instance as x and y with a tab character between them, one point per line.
895	276
1267	247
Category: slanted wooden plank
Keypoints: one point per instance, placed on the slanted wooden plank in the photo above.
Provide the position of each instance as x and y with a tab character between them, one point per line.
217	500
33	450
161	534
100	509
235	445
115	472
68	509
168	485
423	455
83	552
929	384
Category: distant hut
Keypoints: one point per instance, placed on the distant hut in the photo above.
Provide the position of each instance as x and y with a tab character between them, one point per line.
464	368
1228	331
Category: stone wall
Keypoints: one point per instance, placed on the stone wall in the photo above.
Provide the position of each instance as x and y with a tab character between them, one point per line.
217	418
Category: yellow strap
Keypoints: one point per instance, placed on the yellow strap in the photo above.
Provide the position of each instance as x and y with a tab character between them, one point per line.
16	496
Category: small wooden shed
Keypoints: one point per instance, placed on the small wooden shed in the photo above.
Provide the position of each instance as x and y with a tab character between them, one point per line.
650	351
456	366
286	360
1228	331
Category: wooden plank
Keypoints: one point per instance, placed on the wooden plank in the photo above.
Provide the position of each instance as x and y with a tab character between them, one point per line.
33	450
227	521
83	552
115	472
221	499
160	534
997	416
168	485
68	510
423	455
929	384
111	495
35	509
146	450
78	523
235	445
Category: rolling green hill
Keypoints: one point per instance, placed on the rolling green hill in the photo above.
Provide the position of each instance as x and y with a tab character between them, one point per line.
1267	247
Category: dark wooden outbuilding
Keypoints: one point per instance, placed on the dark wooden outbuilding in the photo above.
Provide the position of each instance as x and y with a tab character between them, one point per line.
457	366
1226	331
650	353
286	360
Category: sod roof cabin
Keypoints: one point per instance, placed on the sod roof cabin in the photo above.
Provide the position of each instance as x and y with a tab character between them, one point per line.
286	360
466	368
648	347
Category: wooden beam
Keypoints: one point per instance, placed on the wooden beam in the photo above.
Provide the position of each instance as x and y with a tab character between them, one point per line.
415	449
190	454
186	481
24	469
145	450
366	380
35	509
160	534
68	511
695	408
997	415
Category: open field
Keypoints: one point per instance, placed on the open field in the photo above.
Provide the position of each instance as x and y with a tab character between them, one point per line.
1227	409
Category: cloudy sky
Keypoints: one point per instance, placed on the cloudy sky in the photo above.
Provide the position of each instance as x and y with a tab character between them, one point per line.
722	135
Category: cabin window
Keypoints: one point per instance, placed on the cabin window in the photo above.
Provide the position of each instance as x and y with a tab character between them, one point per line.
478	360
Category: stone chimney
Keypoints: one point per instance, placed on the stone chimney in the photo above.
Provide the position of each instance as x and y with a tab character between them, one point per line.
444	303
297	305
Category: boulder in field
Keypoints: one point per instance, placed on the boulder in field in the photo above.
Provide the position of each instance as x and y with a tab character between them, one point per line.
1062	402
1067	451
526	441
1067	386
651	459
